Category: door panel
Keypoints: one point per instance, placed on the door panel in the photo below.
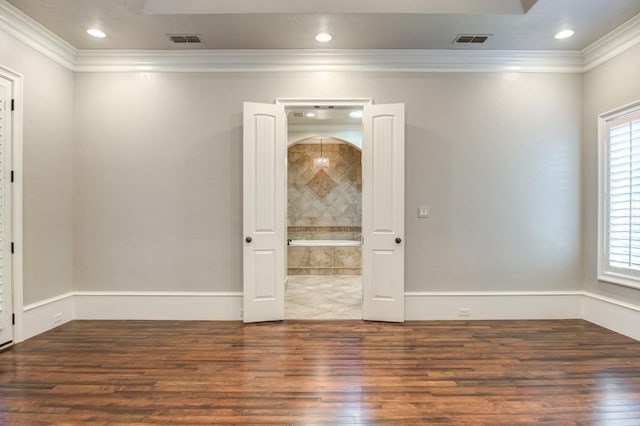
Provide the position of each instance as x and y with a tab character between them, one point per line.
382	152
383	274
265	264
264	176
383	212
264	211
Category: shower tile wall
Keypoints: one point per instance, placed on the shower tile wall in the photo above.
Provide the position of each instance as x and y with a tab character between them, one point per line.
324	232
324	205
342	205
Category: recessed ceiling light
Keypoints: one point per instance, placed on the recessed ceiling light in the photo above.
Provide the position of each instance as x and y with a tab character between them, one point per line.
94	32
323	37
310	114
356	114
564	34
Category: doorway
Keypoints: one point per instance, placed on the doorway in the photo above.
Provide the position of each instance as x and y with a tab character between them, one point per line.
265	207
324	212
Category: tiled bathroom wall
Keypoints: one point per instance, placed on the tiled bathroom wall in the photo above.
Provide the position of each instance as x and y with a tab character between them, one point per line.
324	233
324	198
324	260
324	205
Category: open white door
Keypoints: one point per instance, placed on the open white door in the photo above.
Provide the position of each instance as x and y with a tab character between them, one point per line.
383	213
264	211
6	312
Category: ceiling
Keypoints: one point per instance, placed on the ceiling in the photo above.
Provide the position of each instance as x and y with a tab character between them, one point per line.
334	115
331	123
355	24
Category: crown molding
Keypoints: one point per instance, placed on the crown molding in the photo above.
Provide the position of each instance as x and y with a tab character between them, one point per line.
19	25
277	60
612	44
332	7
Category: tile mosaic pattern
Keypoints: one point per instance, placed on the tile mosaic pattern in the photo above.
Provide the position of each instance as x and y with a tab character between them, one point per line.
324	232
321	184
342	205
323	297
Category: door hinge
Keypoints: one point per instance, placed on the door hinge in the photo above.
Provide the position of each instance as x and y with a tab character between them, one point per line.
13	319
12	248
11	175
13	104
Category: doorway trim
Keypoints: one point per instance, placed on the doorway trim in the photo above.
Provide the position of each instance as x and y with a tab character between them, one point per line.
323	102
302	102
311	102
15	165
340	102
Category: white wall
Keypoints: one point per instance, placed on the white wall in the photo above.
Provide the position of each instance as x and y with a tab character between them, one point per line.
611	85
496	156
48	170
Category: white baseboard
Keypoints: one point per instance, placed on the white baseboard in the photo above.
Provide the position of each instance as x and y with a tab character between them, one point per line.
493	305
224	306
613	314
47	314
621	317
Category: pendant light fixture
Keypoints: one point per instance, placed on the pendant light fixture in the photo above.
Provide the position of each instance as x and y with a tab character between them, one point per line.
322	162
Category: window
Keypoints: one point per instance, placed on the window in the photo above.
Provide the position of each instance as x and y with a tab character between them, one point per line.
619	196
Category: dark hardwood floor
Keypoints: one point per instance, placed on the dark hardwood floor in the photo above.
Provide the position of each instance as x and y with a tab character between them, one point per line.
325	372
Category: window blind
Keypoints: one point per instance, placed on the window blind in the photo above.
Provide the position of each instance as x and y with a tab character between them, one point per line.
624	195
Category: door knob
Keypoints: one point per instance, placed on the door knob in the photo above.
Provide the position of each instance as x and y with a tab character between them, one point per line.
248	239
398	240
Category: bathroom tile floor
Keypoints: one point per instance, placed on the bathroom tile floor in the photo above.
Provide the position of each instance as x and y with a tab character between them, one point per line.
323	297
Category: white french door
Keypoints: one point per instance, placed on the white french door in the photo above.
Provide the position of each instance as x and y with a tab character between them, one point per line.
6	327
264	211
383	212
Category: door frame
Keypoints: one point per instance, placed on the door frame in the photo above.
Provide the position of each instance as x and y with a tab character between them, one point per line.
15	198
310	102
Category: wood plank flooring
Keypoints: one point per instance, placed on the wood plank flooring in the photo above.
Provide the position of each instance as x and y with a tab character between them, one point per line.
322	372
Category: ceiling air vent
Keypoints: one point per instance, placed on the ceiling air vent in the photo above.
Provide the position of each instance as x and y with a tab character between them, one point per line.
184	38
298	114
471	38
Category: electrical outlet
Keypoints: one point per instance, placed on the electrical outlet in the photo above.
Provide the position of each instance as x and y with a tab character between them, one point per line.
424	212
57	317
241	313
464	312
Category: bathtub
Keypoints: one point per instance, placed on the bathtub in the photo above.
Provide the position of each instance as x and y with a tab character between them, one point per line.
324	243
324	257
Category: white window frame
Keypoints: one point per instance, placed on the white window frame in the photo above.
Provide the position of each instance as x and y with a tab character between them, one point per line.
611	274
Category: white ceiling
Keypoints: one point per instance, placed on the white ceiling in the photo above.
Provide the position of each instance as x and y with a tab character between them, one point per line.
355	24
334	115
